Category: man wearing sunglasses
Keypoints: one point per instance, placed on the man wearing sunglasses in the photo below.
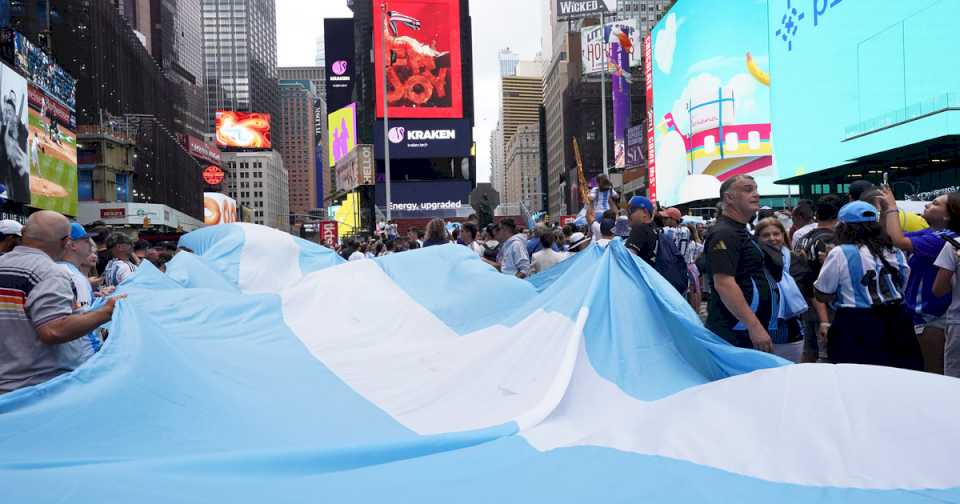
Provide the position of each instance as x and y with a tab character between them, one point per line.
37	305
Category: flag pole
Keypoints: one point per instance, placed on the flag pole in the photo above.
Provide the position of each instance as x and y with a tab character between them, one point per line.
603	90
384	56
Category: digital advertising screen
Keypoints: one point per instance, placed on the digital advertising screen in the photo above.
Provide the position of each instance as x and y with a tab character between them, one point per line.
425	138
14	157
243	130
424	77
218	209
428	199
852	79
710	83
339	49
52	153
341	133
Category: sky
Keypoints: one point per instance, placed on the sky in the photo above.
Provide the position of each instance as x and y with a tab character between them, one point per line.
497	24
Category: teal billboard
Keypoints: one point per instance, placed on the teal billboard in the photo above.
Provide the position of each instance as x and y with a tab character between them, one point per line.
851	78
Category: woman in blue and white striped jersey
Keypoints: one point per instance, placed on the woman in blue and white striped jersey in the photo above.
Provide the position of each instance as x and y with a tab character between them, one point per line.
864	278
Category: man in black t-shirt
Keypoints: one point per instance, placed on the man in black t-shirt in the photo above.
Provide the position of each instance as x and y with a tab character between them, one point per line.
741	307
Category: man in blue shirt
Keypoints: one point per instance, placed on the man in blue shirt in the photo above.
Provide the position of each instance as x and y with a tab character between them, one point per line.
513	258
924	246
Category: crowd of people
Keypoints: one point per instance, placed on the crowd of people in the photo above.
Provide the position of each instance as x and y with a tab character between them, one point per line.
57	281
845	279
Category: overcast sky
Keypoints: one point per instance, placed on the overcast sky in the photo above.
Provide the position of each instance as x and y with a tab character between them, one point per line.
496	24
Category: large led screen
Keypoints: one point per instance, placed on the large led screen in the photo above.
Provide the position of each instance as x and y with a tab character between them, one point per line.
243	130
711	100
52	154
857	78
14	157
424	78
341	133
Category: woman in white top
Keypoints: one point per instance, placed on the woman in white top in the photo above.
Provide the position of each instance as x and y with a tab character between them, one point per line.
547	257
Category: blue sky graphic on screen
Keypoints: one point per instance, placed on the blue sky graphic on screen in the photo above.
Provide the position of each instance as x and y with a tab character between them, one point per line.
859	77
711	99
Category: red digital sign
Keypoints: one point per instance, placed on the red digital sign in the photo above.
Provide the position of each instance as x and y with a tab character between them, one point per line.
212	175
243	130
424	78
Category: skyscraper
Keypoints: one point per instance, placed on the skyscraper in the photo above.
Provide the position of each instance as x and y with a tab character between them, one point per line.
317	76
320	59
177	45
295	140
647	11
240	50
521	95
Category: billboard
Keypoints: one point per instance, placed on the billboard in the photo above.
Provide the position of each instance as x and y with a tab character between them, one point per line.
218	209
243	130
425	138
634	147
857	78
202	150
357	169
320	152
595	44
572	9
424	76
413	200
339	49
52	153
14	158
41	70
341	133
711	100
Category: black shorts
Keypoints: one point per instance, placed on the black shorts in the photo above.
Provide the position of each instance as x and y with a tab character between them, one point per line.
881	336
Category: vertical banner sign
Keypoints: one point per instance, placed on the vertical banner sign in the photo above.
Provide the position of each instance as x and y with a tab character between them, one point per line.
424	77
651	142
620	84
318	126
339	48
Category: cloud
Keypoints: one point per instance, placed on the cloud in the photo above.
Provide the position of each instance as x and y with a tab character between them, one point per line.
704	87
666	44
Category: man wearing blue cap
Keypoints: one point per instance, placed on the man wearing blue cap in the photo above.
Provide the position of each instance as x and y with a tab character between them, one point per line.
80	255
643	238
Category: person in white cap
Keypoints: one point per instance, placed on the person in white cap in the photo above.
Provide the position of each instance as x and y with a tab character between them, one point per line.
10	233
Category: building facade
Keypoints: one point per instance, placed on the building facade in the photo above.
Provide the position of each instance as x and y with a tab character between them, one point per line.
521	96
523	185
323	176
259	181
295	140
240	54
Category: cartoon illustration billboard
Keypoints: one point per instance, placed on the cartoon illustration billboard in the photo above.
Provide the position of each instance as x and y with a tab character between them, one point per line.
424	78
341	133
711	108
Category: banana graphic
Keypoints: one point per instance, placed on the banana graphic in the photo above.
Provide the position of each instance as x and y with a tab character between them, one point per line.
756	71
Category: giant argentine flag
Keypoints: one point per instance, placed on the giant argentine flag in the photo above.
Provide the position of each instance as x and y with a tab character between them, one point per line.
266	370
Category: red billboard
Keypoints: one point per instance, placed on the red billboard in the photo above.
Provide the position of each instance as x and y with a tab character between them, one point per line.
243	130
424	78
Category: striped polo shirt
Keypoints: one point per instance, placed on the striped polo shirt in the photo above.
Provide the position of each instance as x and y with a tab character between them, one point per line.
858	279
33	291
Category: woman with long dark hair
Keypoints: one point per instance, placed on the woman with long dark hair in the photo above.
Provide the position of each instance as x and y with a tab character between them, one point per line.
864	278
948	279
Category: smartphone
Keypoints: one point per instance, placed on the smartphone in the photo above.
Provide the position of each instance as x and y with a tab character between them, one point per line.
886	179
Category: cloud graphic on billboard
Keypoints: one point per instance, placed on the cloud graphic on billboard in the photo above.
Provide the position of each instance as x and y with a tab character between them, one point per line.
704	87
397	134
666	44
340	67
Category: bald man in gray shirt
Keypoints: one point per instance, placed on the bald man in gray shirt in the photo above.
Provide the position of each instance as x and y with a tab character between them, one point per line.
36	305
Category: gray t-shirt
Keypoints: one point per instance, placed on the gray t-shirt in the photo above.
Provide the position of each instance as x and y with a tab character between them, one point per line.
948	260
33	291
